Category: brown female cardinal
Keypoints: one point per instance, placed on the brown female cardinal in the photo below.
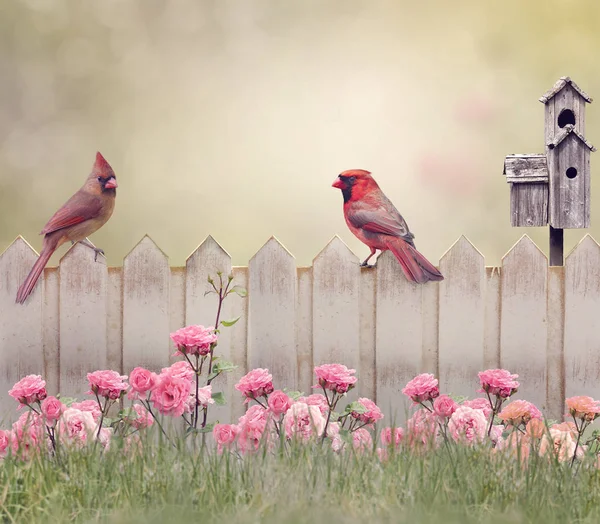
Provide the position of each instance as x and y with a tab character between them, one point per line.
83	214
376	222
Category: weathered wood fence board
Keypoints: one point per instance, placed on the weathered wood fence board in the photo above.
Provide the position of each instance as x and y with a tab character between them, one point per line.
542	323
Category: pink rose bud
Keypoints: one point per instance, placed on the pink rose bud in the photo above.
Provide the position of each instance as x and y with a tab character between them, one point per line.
52	408
279	402
444	406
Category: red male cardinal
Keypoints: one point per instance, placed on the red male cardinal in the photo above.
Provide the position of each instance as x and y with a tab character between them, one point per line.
375	221
83	214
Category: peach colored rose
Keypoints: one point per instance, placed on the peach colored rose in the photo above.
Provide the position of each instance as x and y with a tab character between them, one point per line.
141	381
194	340
535	428
335	377
584	408
566	426
559	443
519	412
279	402
257	383
422	388
107	384
498	382
52	408
29	389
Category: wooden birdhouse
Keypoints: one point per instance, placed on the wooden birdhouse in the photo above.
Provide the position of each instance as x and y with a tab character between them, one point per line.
554	188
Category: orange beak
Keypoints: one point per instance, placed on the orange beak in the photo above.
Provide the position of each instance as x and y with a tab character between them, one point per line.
111	183
338	183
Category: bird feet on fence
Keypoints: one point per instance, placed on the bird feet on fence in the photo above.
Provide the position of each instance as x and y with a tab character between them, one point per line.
97	250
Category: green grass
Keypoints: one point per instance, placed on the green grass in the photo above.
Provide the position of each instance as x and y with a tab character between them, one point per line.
305	484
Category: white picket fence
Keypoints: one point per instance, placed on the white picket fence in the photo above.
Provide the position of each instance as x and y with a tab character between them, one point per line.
538	321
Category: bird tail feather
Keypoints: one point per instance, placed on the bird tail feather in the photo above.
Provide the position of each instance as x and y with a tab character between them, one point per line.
415	266
31	280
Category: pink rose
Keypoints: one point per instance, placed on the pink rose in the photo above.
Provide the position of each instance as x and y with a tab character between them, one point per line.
180	370
141	381
27	435
205	396
496	434
104	437
467	425
252	426
335	377
224	435
107	384
76	427
498	382
143	418
422	429
362	440
372	414
29	389
279	402
444	406
386	436
171	394
382	454
303	421
421	388
519	412
52	408
5	437
479	403
316	399
194	340
89	406
257	383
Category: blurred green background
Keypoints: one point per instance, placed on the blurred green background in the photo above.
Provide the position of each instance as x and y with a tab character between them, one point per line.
233	117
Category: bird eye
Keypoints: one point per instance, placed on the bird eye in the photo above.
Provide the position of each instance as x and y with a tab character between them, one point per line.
99	179
352	179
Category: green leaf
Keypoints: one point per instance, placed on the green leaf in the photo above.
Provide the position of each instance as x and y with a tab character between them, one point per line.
207	429
229	323
239	290
66	400
355	407
219	398
223	366
129	413
294	395
107	422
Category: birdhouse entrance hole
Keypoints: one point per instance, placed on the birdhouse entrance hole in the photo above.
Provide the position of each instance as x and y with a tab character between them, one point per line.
571	172
566	117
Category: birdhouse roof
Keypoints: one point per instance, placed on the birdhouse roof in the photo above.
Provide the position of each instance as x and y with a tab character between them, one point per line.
562	82
567	130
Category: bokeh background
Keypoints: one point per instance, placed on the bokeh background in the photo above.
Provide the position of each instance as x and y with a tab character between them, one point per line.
233	117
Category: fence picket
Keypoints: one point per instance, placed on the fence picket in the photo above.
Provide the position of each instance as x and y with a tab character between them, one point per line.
272	286
523	337
461	318
21	338
582	320
83	318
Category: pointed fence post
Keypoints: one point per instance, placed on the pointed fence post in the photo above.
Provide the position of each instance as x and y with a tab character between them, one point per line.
272	286
21	337
207	260
146	281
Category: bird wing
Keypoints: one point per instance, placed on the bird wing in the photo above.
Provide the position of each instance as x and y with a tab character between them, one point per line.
381	221
79	208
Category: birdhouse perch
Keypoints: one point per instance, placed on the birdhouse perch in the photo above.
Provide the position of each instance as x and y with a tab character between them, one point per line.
554	188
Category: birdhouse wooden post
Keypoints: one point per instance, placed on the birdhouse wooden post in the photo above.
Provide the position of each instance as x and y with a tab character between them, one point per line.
554	188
